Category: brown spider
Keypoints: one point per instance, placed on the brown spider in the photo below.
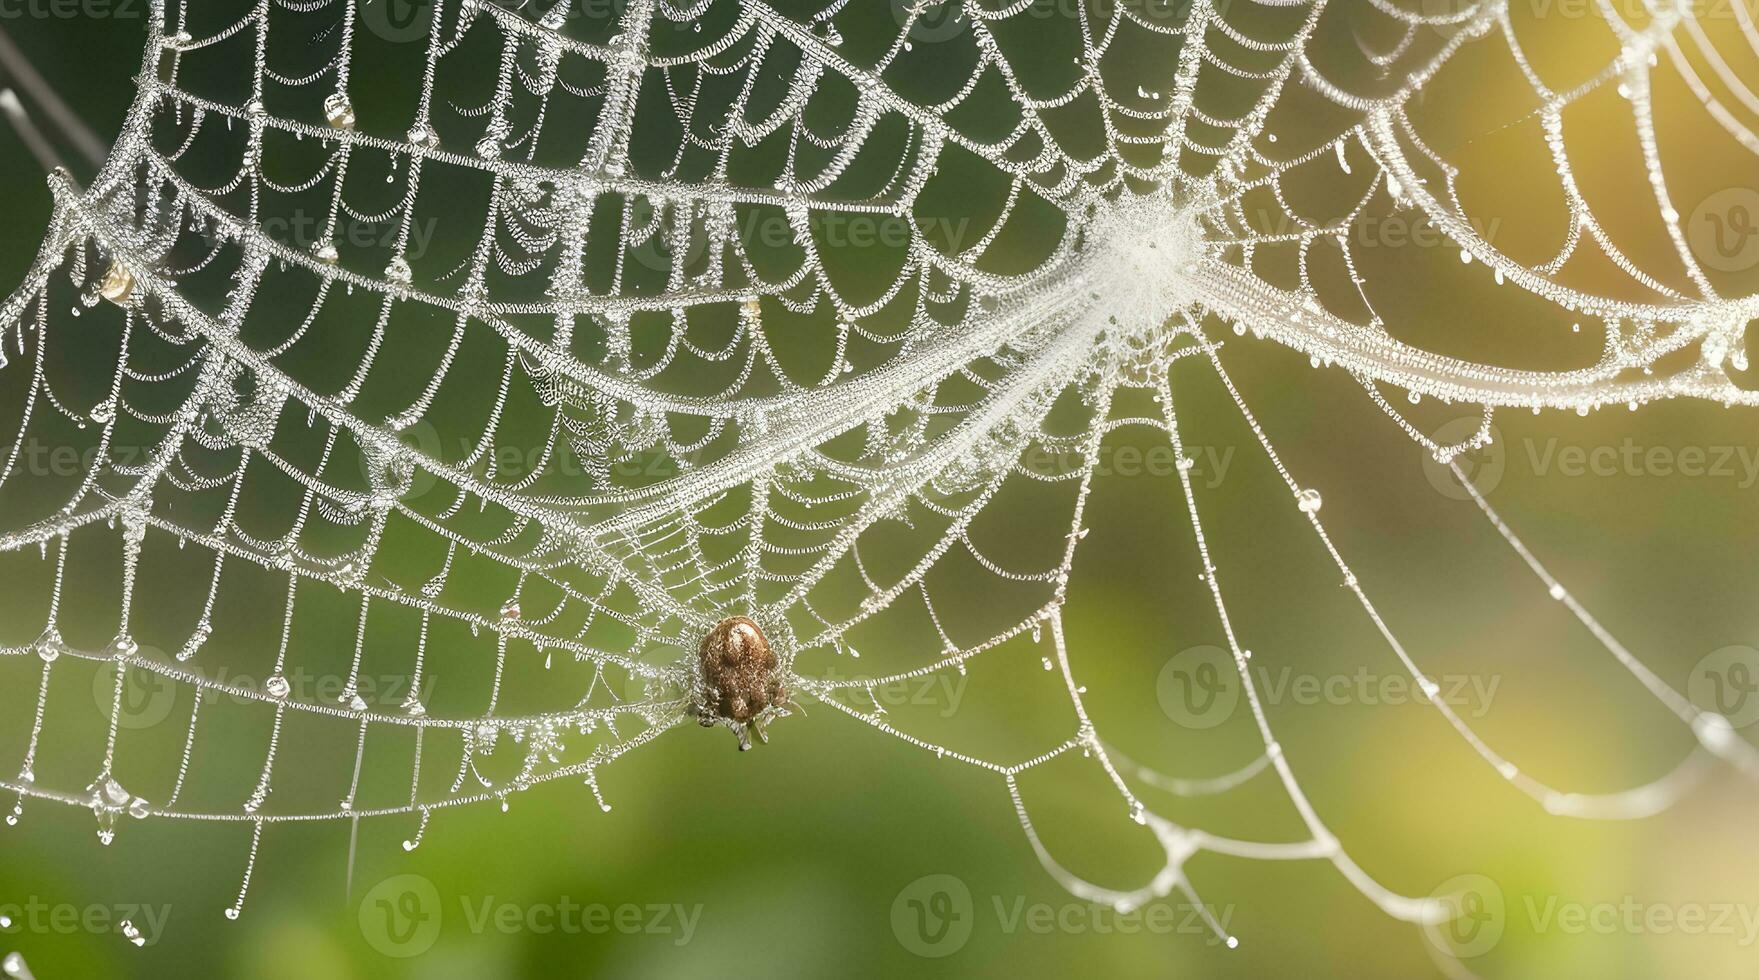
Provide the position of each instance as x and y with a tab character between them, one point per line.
740	684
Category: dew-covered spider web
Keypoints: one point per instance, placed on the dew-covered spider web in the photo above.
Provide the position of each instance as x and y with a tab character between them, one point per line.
624	242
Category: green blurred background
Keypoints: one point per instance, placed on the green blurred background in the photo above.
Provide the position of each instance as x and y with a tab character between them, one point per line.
802	859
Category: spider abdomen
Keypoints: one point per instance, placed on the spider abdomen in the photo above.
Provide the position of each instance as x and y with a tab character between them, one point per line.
740	674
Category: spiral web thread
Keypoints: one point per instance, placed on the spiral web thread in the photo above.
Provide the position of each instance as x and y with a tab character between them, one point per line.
607	280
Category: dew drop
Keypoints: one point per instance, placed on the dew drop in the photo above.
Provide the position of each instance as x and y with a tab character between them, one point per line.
114	794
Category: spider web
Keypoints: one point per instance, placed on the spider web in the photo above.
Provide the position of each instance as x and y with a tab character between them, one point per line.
728	415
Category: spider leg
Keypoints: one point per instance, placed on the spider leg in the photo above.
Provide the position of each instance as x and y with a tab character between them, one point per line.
757	727
744	739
